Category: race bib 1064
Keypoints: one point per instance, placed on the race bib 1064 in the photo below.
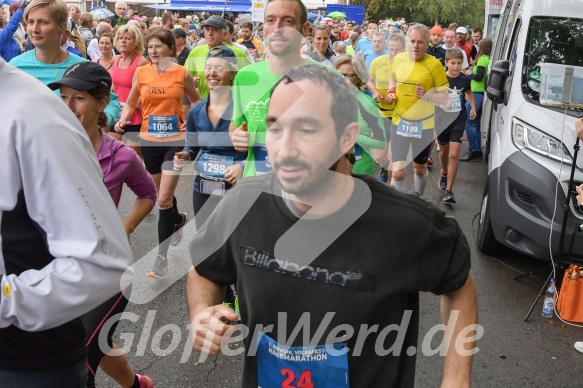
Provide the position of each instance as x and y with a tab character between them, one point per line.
162	126
317	366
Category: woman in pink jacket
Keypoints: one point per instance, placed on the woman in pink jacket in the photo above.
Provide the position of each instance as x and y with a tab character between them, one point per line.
85	89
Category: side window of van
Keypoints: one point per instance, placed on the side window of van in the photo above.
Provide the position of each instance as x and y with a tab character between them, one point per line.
512	53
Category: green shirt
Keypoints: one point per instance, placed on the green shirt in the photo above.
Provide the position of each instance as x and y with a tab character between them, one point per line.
196	61
480	86
251	90
372	133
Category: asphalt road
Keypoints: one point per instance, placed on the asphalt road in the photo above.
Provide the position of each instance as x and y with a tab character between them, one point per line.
512	352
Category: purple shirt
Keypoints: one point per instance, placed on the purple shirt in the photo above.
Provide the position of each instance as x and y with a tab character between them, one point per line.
120	164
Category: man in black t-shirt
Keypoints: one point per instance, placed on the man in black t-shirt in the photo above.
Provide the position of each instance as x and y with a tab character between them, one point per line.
319	293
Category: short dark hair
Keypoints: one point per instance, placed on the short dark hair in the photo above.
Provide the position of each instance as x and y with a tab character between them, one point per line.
166	16
230	27
454	53
164	36
248	25
479	30
343	109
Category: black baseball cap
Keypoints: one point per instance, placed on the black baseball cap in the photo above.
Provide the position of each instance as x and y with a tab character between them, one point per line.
84	76
215	21
179	33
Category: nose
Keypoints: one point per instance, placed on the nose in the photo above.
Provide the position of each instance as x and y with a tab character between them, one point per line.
286	145
70	104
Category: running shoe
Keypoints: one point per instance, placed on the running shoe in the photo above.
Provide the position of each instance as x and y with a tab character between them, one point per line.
160	268
448	197
442	182
145	381
383	175
177	235
429	161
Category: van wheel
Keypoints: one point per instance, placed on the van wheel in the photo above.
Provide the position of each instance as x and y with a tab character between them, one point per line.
485	240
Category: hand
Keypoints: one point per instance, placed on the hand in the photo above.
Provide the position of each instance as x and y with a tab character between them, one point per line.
580	195
240	138
377	96
233	173
196	79
390	98
419	91
182	155
119	126
208	327
579	127
182	128
473	114
446	106
359	53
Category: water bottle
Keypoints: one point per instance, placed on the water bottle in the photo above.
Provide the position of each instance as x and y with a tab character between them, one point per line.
549	302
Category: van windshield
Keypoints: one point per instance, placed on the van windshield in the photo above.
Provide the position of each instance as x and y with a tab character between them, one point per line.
550	40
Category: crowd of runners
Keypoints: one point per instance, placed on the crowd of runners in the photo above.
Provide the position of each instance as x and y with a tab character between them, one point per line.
301	134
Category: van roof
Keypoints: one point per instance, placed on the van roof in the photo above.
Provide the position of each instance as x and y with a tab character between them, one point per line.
561	8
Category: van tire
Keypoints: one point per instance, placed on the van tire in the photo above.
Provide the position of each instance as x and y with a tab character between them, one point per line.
485	240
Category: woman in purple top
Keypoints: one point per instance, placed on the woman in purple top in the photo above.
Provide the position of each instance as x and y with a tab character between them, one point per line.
85	89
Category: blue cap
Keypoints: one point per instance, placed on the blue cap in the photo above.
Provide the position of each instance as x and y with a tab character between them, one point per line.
223	52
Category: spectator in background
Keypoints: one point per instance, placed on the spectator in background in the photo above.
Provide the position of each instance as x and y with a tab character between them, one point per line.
230	40
477	35
352	43
85	26
365	41
378	49
464	44
435	49
347	30
167	22
20	33
120	12
93	48
75	15
339	48
72	42
321	51
9	46
254	45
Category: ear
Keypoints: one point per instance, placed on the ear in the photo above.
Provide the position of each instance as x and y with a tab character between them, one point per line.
348	138
305	28
102	104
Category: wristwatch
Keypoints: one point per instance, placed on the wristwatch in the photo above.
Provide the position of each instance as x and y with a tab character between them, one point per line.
429	97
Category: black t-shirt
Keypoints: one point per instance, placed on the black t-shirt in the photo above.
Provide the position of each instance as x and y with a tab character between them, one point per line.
391	246
249	44
181	58
457	87
438	53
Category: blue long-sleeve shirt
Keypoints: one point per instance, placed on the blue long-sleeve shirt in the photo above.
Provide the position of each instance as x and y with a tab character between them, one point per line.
8	46
211	141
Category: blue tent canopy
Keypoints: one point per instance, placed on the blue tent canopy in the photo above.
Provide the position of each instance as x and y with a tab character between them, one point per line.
209	6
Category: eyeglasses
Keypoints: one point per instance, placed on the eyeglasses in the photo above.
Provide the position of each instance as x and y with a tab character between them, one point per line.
121	9
348	75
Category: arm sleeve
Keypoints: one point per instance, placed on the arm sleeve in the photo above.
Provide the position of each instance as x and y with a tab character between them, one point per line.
113	109
12	26
479	74
191	145
138	179
375	123
65	196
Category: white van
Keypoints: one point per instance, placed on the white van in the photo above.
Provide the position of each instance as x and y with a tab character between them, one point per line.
521	138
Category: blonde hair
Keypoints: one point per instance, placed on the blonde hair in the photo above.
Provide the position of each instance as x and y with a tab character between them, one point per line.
133	31
57	9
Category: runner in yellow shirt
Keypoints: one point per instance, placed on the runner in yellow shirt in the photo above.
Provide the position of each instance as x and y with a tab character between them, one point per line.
380	73
418	81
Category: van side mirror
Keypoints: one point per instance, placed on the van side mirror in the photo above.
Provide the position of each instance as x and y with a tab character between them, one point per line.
496	79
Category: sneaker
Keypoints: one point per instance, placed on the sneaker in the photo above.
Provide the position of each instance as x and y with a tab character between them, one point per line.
429	161
448	197
383	175
160	268
145	381
579	346
177	235
442	182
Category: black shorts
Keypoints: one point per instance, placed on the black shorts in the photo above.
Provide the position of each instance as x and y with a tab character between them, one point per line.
158	156
453	133
420	147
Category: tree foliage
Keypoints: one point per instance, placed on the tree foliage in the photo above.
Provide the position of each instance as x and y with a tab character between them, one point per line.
428	12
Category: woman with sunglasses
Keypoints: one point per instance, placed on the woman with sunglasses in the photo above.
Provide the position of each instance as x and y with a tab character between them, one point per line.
372	129
160	86
85	89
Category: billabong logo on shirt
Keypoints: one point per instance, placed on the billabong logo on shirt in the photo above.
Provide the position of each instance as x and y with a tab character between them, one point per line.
345	278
